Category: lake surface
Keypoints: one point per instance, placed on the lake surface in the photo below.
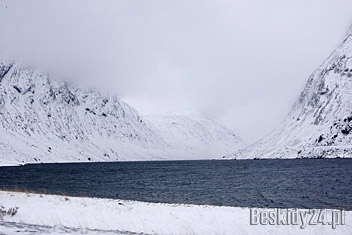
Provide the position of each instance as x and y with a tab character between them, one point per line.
298	183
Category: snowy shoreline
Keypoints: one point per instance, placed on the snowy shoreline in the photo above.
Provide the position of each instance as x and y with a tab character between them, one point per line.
6	164
73	215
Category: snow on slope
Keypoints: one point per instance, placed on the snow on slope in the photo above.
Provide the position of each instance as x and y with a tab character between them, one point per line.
194	133
46	120
320	123
101	216
349	32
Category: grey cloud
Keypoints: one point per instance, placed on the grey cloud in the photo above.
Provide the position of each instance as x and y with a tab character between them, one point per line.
242	63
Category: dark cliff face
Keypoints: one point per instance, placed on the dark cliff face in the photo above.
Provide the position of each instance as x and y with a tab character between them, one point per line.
5	67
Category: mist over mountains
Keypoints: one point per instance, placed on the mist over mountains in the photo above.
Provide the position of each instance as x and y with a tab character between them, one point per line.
44	119
319	124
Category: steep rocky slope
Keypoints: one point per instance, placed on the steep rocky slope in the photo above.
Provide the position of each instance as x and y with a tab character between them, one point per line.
319	124
46	120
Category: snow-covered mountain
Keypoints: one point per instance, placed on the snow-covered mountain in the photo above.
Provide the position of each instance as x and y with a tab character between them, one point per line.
194	133
46	120
319	124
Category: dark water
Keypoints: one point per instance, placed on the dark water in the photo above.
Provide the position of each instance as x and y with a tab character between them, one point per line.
302	183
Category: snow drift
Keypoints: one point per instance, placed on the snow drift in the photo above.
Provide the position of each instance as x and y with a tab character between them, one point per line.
100	216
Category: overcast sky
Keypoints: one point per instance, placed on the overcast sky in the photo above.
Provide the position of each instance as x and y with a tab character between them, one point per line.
241	63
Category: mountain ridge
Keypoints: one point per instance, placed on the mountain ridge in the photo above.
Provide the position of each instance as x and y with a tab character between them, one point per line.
319	124
47	120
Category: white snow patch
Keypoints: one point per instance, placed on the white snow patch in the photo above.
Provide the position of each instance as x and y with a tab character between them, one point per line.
74	214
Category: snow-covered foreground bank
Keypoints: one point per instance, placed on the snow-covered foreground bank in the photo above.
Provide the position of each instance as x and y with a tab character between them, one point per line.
51	214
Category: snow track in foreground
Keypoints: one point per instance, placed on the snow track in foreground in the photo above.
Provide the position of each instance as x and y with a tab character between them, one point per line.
50	214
